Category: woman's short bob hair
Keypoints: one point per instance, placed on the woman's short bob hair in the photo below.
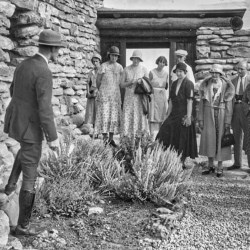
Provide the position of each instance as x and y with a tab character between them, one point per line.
162	59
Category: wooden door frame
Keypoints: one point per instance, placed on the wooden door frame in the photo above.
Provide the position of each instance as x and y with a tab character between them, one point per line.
176	27
165	42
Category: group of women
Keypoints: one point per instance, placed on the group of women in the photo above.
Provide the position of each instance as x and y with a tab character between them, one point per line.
105	110
172	120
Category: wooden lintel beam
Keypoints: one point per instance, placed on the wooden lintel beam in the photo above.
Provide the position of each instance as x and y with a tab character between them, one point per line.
186	23
147	33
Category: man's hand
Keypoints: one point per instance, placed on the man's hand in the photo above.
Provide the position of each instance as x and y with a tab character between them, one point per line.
54	145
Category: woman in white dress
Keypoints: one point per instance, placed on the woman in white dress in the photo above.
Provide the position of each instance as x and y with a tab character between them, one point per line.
159	99
134	121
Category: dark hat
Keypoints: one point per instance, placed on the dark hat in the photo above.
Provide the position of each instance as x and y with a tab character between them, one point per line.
50	38
181	66
114	51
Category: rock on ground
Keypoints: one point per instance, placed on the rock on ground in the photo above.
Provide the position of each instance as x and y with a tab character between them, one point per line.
4	228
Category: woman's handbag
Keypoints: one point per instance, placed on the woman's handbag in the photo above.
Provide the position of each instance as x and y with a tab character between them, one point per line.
227	139
144	87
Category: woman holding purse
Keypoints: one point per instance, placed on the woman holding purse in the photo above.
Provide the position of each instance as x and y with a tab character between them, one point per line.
215	114
178	130
134	119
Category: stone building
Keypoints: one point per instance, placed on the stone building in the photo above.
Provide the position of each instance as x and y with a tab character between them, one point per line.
210	36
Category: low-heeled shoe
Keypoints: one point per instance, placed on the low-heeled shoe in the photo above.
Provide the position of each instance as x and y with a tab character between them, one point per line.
208	171
233	167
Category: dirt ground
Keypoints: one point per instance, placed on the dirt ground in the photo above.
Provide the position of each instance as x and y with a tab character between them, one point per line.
217	217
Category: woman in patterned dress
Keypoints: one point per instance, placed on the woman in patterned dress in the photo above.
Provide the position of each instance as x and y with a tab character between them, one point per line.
215	114
134	121
178	130
108	100
92	90
159	99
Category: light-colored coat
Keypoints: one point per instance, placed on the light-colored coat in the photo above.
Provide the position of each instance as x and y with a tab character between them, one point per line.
208	145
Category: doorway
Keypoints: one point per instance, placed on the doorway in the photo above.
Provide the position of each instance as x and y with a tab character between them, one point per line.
149	56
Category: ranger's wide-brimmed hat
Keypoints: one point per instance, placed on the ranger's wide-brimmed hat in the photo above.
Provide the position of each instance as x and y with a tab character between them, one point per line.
181	66
181	52
217	68
50	38
137	54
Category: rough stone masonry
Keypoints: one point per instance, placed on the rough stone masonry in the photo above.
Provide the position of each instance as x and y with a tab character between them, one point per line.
20	23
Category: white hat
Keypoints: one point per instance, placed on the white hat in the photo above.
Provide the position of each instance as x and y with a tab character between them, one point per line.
217	68
96	55
137	54
181	52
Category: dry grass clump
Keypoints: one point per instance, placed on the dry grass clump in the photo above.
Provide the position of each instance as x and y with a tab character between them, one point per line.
84	170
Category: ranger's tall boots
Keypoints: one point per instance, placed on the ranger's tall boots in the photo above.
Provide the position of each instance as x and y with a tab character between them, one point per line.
26	201
15	173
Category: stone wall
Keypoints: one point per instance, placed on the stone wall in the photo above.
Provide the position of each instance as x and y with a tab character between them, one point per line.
222	46
21	21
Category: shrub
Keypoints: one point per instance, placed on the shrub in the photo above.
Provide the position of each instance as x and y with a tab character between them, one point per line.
84	170
81	170
158	176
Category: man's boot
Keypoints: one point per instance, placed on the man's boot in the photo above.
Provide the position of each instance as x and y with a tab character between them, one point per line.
26	201
14	176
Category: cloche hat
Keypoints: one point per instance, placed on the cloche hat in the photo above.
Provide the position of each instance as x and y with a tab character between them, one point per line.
50	38
114	51
181	66
96	55
136	54
217	68
181	52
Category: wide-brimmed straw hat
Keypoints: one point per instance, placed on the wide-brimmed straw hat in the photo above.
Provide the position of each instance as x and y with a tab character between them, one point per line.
50	38
136	54
114	51
96	55
217	68
181	52
181	66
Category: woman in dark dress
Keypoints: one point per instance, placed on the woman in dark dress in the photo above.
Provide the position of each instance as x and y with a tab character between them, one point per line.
178	130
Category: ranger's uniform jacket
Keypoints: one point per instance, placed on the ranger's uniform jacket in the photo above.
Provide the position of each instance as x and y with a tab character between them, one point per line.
29	114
